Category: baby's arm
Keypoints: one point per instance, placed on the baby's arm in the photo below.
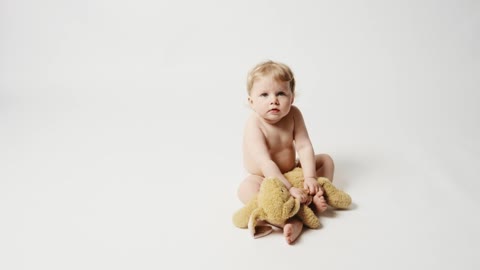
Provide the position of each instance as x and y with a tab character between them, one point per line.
257	146
304	148
271	169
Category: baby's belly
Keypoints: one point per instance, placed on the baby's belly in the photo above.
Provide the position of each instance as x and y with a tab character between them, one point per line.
285	161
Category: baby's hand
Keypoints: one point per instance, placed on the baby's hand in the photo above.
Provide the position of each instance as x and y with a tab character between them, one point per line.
300	194
309	200
311	185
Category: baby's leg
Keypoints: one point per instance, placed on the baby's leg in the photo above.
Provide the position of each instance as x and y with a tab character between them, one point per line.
249	188
325	166
292	230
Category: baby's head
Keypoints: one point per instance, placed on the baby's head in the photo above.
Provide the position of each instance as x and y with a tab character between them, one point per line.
278	71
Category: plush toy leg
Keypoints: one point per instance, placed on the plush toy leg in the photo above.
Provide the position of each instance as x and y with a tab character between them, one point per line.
334	197
308	217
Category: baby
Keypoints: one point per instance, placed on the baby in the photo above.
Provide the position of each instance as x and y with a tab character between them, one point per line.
274	135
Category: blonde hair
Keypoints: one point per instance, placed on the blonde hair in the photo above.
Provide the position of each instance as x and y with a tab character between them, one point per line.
278	71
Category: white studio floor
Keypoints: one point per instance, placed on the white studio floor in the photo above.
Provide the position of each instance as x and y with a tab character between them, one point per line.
121	128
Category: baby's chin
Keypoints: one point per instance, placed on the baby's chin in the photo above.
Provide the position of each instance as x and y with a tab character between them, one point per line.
272	120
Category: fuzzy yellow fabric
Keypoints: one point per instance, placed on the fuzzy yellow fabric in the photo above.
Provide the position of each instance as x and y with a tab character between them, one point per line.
335	197
274	204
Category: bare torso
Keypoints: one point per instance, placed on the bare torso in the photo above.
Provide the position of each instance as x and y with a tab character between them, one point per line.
279	140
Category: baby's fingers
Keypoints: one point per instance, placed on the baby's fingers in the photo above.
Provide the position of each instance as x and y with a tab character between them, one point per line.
310	188
309	200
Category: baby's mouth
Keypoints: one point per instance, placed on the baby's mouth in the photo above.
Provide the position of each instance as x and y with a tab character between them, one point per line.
274	110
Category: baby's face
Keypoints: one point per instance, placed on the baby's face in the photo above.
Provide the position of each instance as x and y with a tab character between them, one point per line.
271	99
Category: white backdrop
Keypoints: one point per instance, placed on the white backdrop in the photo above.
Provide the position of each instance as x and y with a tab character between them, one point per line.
121	124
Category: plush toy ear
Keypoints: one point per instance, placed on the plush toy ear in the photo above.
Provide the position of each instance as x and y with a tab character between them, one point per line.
290	208
256	229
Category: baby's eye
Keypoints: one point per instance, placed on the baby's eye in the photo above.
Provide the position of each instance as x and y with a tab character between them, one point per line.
263	94
281	93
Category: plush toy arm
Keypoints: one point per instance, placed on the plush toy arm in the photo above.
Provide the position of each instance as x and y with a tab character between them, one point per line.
308	217
334	197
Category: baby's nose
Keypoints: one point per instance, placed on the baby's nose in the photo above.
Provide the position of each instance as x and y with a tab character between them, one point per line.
274	100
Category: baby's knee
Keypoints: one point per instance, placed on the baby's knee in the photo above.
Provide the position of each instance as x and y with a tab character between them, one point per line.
248	186
247	190
327	159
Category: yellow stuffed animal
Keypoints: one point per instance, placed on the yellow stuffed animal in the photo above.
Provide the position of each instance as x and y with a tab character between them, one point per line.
334	197
274	205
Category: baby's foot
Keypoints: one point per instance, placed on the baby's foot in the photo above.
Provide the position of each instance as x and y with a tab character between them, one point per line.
320	202
292	231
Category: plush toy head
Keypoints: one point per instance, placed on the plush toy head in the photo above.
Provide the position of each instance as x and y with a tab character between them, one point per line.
275	204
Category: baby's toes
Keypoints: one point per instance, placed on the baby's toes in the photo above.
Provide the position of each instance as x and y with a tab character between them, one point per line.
321	204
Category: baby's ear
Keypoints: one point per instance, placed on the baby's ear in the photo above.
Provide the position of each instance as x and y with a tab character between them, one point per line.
250	103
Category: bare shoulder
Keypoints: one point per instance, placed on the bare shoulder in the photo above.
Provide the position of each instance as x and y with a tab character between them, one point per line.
298	123
252	128
251	123
295	110
254	140
296	115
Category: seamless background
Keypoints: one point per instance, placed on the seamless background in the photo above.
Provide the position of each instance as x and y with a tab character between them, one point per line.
121	126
